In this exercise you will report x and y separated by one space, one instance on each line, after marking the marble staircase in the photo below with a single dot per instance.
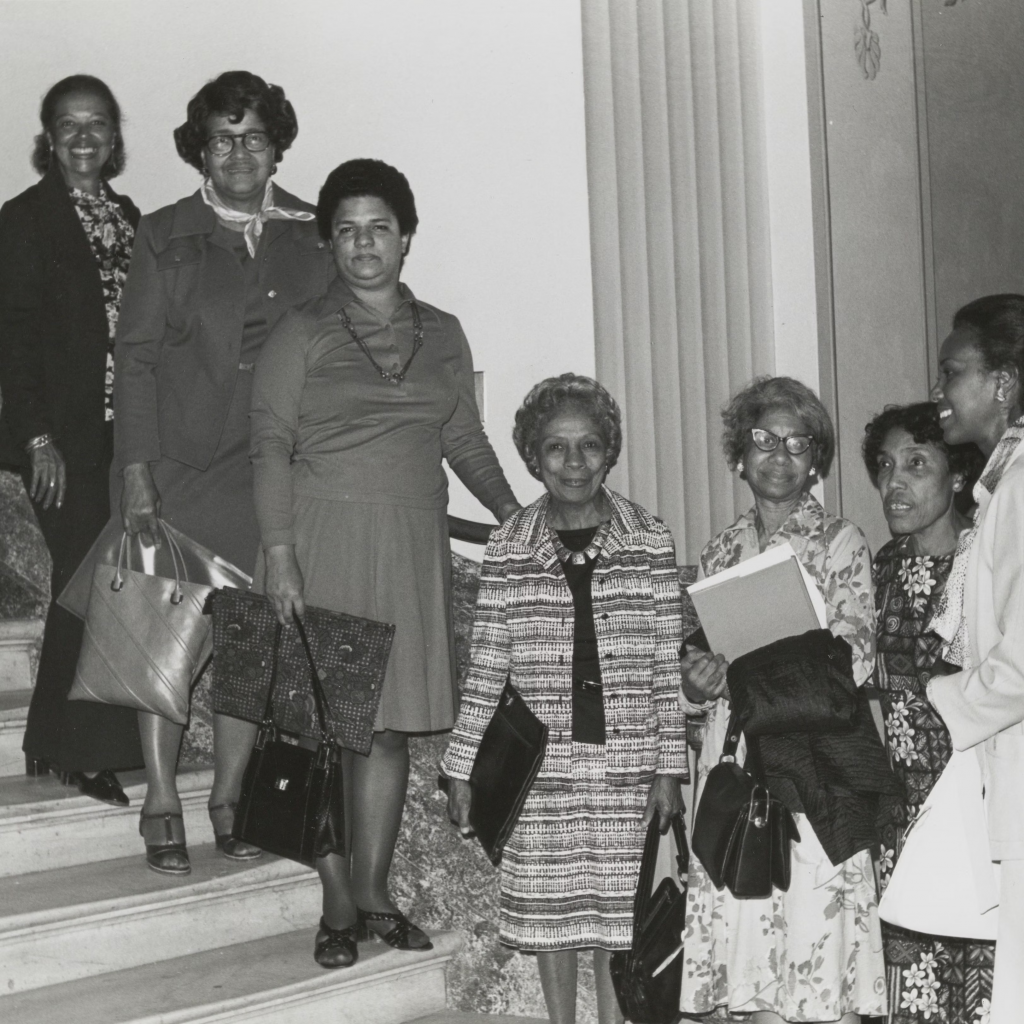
88 933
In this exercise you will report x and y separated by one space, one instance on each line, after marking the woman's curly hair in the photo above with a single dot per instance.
765 393
366 177
921 421
555 395
230 95
42 152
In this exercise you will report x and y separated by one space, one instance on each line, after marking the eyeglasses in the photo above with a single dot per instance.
221 145
796 444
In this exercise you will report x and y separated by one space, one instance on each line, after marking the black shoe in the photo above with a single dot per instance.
398 937
101 786
168 857
232 848
336 947
37 767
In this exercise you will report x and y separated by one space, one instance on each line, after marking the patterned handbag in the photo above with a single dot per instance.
351 655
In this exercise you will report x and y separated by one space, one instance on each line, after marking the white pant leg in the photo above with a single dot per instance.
1008 981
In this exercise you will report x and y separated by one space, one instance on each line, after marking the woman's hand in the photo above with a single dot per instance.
509 509
460 796
49 478
664 799
284 583
140 503
703 676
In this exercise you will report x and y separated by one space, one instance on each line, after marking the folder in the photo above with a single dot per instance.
757 602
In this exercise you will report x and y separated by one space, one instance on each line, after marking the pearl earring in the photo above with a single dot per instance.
739 466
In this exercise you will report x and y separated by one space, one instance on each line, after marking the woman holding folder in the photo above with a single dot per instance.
812 953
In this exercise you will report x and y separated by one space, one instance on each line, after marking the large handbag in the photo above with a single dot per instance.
145 637
648 976
507 762
741 833
946 854
198 564
292 802
800 683
351 653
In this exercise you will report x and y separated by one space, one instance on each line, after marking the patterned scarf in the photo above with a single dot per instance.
949 621
253 221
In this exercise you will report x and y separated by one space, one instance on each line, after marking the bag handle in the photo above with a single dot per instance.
124 561
732 740
649 861
318 695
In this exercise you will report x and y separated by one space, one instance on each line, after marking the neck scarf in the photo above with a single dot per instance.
253 221
949 620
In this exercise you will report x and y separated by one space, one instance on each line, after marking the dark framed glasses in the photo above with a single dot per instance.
796 444
221 145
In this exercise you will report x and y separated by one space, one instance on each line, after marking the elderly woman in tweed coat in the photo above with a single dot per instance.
579 607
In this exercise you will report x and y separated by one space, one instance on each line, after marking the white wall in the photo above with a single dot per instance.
479 102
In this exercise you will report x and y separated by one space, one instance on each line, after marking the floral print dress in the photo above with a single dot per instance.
931 980
815 952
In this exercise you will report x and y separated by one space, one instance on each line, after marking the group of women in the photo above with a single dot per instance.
252 369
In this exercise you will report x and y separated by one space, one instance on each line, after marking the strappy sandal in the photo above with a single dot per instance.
169 857
397 937
336 947
232 848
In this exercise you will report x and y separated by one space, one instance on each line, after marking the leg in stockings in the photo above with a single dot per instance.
161 739
233 741
608 1010
339 908
558 981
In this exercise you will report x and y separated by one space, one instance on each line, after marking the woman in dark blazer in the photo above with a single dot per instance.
211 275
65 244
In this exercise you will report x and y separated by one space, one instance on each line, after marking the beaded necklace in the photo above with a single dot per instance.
591 551
417 343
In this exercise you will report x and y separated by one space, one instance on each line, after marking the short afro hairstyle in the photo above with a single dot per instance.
555 395
230 95
765 393
42 152
921 422
366 177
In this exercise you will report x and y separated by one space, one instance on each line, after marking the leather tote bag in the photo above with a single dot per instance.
351 654
292 802
145 637
944 882
648 976
741 833
506 764
198 564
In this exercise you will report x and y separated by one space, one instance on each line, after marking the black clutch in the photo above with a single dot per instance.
292 802
648 976
507 762
351 655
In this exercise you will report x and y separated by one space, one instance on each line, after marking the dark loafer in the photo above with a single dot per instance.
102 786
336 947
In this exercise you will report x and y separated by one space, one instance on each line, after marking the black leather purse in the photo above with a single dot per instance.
292 802
646 986
742 834
507 762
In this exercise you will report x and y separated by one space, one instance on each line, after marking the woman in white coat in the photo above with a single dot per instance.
980 398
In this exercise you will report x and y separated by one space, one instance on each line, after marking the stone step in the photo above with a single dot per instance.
13 716
272 980
45 825
18 638
456 1017
75 922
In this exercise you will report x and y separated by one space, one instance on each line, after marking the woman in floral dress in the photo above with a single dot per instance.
930 979
812 953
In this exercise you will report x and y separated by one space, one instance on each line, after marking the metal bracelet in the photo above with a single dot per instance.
39 442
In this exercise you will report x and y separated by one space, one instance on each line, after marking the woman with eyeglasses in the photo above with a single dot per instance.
210 276
813 953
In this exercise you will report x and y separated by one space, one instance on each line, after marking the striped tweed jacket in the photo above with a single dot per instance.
524 630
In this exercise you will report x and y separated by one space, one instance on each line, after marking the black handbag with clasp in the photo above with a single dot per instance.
292 801
648 976
742 834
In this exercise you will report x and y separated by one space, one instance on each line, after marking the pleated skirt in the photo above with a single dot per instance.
570 869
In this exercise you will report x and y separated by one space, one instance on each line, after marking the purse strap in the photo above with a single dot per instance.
732 739
649 862
319 699
124 561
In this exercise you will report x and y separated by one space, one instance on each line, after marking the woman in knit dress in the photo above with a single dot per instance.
579 607
931 979
359 394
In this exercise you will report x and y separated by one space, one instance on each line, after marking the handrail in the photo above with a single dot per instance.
467 530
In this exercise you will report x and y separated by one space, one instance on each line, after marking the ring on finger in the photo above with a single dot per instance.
53 483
